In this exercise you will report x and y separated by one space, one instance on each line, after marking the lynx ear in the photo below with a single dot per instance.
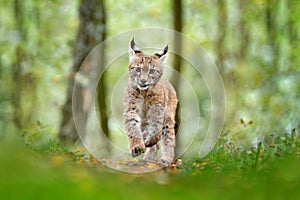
163 54
133 49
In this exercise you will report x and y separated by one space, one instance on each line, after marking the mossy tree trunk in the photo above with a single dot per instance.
221 34
91 32
17 79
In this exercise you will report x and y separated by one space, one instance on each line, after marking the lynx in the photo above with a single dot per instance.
150 106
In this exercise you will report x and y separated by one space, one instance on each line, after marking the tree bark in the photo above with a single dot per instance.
271 24
177 24
17 66
90 33
243 31
221 34
293 34
177 63
101 101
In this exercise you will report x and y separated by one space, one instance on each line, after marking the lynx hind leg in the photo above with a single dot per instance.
151 153
168 142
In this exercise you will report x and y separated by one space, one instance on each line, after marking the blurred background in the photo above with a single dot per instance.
254 43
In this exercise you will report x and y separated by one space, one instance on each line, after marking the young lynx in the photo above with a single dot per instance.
150 105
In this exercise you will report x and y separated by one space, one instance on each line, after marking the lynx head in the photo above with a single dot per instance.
145 70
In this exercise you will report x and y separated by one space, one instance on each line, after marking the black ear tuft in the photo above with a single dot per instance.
165 50
162 53
134 47
132 43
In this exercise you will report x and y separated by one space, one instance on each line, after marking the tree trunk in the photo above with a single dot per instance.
177 63
293 34
243 31
221 34
101 100
17 66
90 33
177 24
271 23
101 89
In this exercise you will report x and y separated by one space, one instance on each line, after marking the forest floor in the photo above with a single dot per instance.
265 172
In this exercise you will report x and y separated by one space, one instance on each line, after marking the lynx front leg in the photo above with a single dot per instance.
168 142
132 123
154 124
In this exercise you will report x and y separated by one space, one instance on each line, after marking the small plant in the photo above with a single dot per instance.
228 156
40 139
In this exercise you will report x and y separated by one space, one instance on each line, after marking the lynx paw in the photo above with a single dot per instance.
137 150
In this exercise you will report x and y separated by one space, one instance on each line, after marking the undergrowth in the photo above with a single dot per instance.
228 156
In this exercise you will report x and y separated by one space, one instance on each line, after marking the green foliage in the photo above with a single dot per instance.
39 139
229 157
42 44
261 73
270 170
262 84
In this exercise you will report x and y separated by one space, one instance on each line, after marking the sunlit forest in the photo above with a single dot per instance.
63 70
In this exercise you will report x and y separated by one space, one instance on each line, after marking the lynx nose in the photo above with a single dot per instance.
143 81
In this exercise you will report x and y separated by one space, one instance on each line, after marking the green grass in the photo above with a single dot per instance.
228 172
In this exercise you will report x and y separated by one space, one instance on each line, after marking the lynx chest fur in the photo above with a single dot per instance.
150 106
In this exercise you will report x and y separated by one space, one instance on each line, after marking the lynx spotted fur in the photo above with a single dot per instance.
150 105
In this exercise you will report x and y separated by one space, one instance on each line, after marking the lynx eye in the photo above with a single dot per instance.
151 71
138 69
